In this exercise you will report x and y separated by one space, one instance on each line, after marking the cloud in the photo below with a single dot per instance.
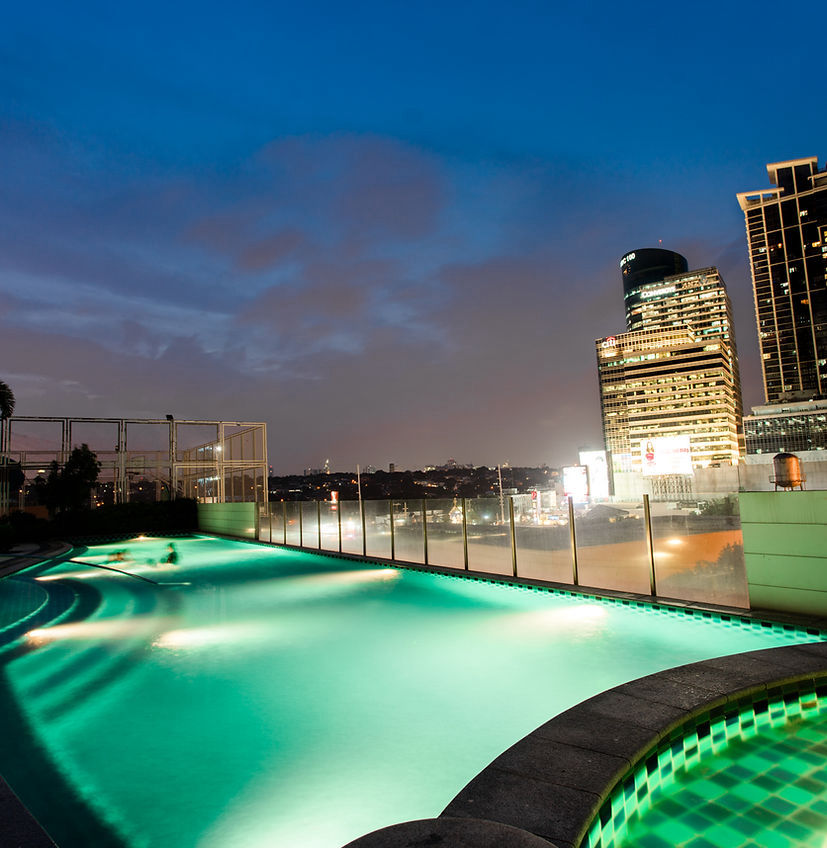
270 250
371 301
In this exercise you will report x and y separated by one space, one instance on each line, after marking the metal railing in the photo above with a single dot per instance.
684 551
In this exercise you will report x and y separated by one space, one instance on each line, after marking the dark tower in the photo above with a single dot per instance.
644 267
787 236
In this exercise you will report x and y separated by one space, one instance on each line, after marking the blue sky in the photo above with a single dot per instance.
391 232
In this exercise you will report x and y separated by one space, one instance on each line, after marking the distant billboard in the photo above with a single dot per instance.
576 482
595 461
666 455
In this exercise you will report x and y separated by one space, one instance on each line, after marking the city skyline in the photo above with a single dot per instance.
394 240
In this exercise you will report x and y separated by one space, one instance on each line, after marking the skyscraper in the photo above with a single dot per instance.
673 376
642 270
787 239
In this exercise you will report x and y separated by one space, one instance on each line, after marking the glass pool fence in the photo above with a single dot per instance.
689 551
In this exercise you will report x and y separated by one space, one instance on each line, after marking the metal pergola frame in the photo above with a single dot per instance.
178 469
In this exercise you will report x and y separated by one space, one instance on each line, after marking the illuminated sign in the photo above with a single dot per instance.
658 292
611 341
595 462
666 455
627 258
576 482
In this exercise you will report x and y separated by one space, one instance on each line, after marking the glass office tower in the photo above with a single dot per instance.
674 374
787 238
641 270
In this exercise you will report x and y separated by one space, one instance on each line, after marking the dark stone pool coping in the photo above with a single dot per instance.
553 782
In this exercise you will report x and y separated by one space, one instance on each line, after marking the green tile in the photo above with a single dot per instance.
721 834
795 795
767 791
811 820
796 832
780 806
701 842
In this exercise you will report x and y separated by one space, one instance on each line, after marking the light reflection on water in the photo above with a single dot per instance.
296 700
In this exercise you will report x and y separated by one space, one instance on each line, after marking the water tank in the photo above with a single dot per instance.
788 473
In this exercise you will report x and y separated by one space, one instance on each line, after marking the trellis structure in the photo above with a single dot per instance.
148 458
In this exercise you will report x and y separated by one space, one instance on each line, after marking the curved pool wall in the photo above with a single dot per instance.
101 685
578 780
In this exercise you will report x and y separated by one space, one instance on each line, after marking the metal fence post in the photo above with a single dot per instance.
393 531
364 528
513 536
319 521
573 537
650 546
424 532
284 520
301 524
270 514
465 534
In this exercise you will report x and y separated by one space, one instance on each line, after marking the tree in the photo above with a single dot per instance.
6 401
6 410
70 487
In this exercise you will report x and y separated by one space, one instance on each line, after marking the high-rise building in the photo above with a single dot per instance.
787 238
787 428
672 379
657 384
641 270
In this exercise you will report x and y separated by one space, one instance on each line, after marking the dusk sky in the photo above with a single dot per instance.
390 231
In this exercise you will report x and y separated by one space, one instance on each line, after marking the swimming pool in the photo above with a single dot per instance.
260 696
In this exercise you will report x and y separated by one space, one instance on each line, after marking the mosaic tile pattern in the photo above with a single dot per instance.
792 632
756 778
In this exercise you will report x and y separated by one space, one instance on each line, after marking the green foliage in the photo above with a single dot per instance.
70 488
6 401
178 516
722 506
11 474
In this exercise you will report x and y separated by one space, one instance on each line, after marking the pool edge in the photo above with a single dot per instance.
555 781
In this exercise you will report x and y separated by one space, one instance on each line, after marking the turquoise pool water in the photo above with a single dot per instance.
765 785
262 697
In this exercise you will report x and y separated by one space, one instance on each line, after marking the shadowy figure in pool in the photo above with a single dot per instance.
119 556
172 555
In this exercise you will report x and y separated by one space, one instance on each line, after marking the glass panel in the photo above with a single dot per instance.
611 547
351 527
699 550
310 525
264 524
377 528
277 519
407 525
489 536
330 526
445 533
292 509
544 544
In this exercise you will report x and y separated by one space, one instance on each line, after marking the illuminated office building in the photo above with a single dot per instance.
674 375
668 383
787 239
643 270
787 428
